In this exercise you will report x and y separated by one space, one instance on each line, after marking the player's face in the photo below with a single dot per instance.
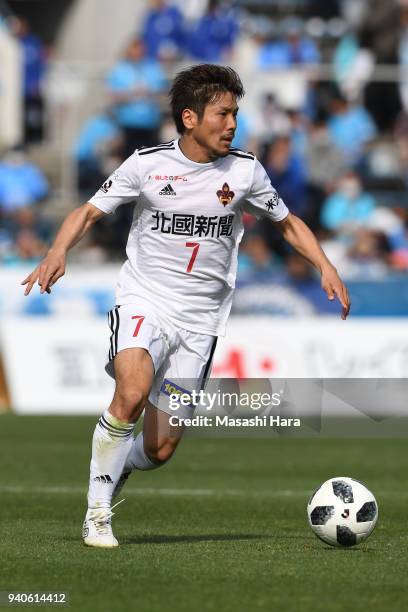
215 131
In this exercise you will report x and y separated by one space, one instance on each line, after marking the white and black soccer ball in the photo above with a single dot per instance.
342 512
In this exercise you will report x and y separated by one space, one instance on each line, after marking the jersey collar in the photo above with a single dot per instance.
186 160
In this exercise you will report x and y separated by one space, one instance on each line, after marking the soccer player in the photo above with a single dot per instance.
175 289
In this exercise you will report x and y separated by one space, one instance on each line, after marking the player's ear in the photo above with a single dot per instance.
190 118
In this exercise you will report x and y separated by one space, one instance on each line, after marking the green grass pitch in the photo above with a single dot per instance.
221 528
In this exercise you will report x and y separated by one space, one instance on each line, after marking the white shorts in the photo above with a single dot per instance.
182 359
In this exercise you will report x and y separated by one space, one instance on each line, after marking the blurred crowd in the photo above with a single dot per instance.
338 158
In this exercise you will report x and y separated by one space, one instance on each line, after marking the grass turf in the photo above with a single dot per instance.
222 527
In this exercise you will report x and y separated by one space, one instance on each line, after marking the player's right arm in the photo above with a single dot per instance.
52 267
121 187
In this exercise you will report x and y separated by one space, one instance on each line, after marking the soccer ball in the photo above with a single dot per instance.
342 512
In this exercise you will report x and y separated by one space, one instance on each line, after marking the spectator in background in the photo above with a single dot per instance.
27 247
22 184
287 173
349 207
135 85
22 187
212 37
34 67
294 49
381 98
163 31
403 55
271 120
351 128
256 262
324 166
272 53
391 225
97 151
401 138
399 242
298 132
300 49
325 163
368 256
353 63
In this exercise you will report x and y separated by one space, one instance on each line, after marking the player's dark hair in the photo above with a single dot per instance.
197 86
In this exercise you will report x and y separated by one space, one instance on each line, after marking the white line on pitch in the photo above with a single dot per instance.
150 491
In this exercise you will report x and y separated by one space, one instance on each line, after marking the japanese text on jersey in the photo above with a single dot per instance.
193 225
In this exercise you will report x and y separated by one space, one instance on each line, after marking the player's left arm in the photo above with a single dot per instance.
297 234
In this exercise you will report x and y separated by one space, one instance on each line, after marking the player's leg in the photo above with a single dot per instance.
158 441
159 437
155 445
137 349
112 441
114 431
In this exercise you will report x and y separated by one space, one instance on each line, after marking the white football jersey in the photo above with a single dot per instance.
187 225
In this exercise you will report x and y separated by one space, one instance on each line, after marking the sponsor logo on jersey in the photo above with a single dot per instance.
167 191
171 388
272 202
225 195
106 186
180 224
165 177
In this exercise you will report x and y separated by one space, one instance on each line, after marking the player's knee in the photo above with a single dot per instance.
160 452
129 402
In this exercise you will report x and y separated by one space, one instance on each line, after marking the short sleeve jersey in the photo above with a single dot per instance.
187 225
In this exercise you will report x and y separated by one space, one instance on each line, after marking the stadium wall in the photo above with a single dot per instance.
54 346
55 365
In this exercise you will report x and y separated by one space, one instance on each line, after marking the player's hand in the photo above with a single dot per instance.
46 273
334 286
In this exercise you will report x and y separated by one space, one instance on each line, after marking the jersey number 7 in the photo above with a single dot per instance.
195 246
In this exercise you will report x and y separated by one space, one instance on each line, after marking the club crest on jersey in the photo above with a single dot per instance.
224 194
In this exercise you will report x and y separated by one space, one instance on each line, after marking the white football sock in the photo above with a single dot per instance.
137 458
111 443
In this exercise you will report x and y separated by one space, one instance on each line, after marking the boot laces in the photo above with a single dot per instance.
102 517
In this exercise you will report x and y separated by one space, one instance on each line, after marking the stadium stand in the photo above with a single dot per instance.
317 77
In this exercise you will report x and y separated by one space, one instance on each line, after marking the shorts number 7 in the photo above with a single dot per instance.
138 324
195 246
